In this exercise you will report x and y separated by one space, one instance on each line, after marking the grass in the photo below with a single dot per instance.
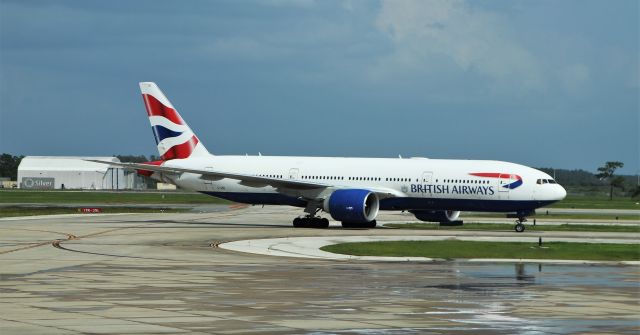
509 227
595 202
452 249
540 215
105 197
11 211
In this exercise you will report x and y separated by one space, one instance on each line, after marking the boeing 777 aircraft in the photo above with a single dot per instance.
351 190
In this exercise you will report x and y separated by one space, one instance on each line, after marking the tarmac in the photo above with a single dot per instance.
171 274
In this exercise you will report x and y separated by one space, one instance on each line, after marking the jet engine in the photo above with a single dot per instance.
352 205
436 216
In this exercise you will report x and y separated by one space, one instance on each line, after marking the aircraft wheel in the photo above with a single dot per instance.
371 224
324 223
297 223
348 225
519 227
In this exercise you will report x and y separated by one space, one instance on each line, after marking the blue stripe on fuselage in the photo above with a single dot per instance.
395 203
513 185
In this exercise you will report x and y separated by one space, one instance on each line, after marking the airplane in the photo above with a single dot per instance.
351 190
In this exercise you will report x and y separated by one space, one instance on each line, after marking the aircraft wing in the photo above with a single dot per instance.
248 180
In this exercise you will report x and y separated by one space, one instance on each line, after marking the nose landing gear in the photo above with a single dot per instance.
521 217
520 224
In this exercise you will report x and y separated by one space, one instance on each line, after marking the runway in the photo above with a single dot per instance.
165 273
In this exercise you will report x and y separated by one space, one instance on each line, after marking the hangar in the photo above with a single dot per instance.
48 172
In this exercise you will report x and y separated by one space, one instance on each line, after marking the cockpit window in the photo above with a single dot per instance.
546 181
551 181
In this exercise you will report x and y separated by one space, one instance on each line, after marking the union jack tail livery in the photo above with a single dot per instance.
173 136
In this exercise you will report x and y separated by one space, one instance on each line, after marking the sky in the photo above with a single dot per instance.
541 83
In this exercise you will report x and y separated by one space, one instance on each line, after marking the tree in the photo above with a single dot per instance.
636 192
606 173
9 166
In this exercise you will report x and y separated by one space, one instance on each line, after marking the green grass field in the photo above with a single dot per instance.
452 249
11 211
105 197
592 202
541 216
509 227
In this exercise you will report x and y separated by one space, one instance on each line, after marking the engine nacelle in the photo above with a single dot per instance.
436 216
352 205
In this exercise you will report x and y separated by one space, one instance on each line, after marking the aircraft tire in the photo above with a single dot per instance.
324 223
348 224
519 227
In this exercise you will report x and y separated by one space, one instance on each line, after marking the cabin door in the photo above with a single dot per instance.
426 177
504 180
208 181
293 174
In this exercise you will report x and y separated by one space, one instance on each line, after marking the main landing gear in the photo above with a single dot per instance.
311 222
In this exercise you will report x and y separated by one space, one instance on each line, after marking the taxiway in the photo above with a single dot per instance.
165 273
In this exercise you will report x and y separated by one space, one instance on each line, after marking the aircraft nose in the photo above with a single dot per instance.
562 193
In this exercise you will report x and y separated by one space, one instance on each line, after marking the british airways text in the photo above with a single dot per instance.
456 189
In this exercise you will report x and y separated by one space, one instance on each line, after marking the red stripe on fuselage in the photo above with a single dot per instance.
156 108
181 151
495 175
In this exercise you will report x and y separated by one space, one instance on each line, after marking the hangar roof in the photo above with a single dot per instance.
64 163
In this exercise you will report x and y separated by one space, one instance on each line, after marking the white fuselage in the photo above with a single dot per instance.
426 183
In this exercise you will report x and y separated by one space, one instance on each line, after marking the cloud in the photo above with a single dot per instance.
431 33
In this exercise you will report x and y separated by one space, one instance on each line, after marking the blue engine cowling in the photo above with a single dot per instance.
352 205
436 216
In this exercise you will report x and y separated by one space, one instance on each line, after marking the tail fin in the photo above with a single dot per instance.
174 138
